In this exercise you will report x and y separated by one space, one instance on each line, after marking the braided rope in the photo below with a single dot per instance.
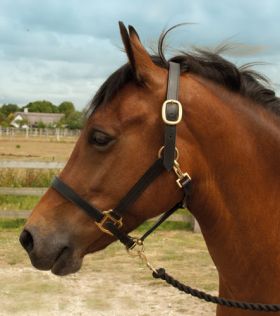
161 274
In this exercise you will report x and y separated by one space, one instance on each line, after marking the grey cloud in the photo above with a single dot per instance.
67 48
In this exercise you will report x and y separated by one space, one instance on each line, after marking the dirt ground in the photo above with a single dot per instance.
96 294
110 282
34 149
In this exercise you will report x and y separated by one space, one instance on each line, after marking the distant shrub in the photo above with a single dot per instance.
26 177
18 202
11 223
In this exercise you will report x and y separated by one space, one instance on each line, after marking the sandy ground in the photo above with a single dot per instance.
35 149
110 283
100 294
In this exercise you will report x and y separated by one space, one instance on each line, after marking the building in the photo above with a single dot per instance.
32 119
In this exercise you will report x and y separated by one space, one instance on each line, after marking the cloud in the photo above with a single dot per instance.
63 50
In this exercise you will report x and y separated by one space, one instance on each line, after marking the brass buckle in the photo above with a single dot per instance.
163 112
180 174
108 217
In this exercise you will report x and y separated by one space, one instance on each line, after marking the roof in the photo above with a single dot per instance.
35 117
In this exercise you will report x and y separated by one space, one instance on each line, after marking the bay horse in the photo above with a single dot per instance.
229 143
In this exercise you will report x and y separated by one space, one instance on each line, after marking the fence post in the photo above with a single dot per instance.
57 134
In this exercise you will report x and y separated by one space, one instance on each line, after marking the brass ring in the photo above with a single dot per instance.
176 151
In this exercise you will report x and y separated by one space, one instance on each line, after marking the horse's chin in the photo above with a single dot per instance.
66 263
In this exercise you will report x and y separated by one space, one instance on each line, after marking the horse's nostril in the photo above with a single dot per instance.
26 240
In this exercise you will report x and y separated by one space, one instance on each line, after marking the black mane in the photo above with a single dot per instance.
209 65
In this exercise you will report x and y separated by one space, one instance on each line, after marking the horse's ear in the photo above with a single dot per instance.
139 59
127 45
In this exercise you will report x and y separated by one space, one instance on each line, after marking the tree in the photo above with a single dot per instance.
66 107
5 124
7 109
41 125
2 117
42 106
74 120
24 122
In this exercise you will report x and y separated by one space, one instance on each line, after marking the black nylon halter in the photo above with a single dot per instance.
110 221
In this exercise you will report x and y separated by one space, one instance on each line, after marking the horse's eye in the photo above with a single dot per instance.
100 139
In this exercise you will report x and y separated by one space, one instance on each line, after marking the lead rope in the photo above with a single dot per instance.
137 250
161 274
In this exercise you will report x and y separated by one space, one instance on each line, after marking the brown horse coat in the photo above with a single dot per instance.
229 142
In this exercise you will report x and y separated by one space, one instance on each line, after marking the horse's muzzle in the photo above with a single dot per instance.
50 253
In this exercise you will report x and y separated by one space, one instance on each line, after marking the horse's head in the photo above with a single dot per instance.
120 140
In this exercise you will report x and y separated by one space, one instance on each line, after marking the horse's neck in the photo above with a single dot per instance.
233 155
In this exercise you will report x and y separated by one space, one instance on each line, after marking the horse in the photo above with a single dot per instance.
229 144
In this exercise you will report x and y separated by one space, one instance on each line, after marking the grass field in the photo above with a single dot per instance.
110 282
37 178
17 203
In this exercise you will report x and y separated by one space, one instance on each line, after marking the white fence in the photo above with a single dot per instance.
14 164
22 191
38 132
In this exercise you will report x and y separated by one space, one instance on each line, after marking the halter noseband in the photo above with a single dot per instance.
110 221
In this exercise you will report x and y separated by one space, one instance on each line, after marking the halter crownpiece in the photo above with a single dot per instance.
110 222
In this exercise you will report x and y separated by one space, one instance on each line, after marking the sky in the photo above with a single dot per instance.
60 50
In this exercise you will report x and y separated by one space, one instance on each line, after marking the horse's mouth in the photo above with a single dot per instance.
66 262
